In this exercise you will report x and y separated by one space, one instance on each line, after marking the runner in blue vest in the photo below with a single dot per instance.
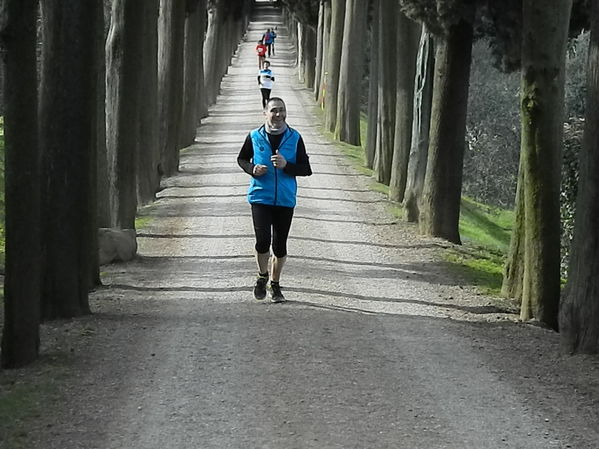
268 39
273 155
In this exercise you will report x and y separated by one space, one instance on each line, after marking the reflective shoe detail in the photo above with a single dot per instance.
260 287
275 293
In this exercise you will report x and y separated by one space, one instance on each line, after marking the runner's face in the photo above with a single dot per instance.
275 113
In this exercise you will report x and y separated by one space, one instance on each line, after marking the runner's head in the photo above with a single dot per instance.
275 113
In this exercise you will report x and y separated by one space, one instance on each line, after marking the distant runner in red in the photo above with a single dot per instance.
261 52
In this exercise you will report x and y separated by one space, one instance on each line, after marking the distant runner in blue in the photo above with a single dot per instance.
273 155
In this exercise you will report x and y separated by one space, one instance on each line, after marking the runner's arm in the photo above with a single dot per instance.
245 156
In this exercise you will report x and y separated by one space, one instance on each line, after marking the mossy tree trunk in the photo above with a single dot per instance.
513 272
440 204
542 104
22 277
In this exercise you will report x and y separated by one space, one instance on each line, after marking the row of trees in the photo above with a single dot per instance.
419 67
89 132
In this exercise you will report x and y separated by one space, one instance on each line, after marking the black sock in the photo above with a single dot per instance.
263 275
274 282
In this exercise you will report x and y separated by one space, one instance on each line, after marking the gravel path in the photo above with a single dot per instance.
377 347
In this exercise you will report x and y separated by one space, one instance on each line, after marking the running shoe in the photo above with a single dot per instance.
260 288
275 293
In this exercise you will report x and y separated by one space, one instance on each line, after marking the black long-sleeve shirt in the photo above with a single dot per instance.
301 166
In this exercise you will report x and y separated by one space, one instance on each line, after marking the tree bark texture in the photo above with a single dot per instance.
202 95
423 99
347 128
579 311
542 105
333 63
148 156
373 87
171 33
441 196
102 177
123 99
326 39
67 133
319 48
308 44
212 48
385 132
299 26
191 76
408 36
513 272
22 280
310 56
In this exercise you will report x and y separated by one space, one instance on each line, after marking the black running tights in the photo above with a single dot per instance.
265 96
275 219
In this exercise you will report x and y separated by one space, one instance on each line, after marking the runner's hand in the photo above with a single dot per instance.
278 160
260 169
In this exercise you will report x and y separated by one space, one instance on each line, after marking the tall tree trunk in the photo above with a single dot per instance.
408 34
22 281
373 87
191 77
326 39
579 311
513 272
102 176
148 156
212 47
309 56
67 133
171 34
123 97
423 98
319 49
99 147
202 101
347 128
333 62
385 132
441 196
542 104
299 26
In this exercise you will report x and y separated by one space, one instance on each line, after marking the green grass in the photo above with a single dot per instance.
485 233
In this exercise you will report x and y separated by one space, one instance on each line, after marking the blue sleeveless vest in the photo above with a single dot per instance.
275 187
